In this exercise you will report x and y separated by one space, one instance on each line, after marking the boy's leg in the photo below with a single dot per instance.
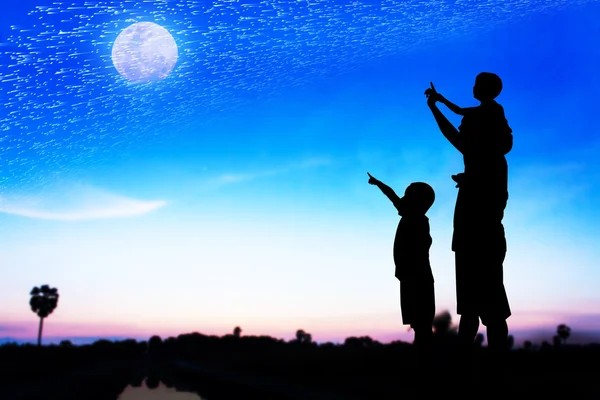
424 349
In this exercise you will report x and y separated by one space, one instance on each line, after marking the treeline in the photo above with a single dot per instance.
359 366
272 356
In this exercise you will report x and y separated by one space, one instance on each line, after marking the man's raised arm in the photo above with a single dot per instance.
446 127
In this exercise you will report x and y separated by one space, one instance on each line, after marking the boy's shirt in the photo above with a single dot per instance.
486 138
485 128
411 249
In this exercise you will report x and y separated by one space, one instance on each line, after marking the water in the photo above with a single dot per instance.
162 392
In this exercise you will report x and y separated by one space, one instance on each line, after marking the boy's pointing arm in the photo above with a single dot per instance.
388 191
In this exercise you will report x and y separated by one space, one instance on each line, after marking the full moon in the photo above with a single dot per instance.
144 52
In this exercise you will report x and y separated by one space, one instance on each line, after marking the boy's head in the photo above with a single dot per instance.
487 86
418 198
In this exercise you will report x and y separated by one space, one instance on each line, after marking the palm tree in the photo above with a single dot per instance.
44 300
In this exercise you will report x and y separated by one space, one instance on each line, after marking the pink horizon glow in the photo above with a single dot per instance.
379 328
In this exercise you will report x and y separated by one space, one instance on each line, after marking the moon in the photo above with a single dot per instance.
144 52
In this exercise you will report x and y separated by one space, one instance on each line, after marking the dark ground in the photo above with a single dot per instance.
265 368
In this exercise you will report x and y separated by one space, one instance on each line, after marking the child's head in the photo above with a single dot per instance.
487 86
418 198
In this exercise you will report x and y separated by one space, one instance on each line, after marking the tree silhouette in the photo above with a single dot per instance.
545 345
556 340
528 345
44 300
563 332
442 323
362 341
510 342
237 331
303 337
154 346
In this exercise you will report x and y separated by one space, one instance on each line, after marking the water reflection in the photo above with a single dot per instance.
153 388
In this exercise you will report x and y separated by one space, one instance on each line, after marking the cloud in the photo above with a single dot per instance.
77 203
244 177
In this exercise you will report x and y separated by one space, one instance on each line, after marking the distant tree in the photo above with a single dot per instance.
154 344
362 341
556 341
510 342
303 337
563 332
442 323
527 345
43 302
546 345
479 339
237 331
300 335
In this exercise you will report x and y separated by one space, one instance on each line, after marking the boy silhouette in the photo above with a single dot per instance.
411 258
485 125
479 243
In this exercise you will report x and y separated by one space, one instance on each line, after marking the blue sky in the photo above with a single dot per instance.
186 218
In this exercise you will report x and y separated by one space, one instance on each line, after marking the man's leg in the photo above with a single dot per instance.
467 330
497 331
497 310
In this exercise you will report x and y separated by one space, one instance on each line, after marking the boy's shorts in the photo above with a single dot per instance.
417 301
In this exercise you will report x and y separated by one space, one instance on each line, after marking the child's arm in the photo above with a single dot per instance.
388 191
431 92
451 106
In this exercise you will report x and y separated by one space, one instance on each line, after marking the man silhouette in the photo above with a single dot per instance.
478 240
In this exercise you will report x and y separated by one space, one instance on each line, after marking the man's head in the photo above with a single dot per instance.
418 198
487 86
